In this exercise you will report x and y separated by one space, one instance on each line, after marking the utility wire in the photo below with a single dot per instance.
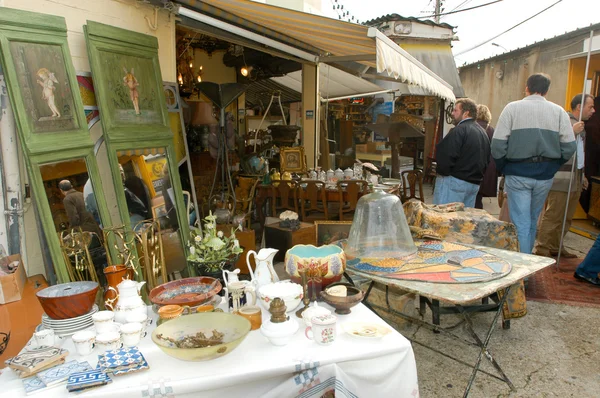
465 9
460 5
507 30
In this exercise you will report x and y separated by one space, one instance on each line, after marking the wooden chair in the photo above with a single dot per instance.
353 189
284 196
410 180
313 200
244 197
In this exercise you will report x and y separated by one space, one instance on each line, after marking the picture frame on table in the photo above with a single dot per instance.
331 231
292 159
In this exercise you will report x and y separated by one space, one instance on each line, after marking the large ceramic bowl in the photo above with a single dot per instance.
325 265
234 329
68 300
289 292
187 291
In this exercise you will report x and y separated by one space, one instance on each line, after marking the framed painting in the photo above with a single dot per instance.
41 81
292 159
331 231
128 82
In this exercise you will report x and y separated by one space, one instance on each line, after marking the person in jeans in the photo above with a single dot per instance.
533 138
589 268
462 157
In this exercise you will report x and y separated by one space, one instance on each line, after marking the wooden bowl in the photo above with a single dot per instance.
68 300
187 291
342 304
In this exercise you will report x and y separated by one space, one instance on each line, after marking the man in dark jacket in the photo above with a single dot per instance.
462 157
76 211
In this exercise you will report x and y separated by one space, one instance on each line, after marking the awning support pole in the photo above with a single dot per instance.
578 140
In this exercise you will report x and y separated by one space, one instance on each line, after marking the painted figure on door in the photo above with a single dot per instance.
46 79
131 82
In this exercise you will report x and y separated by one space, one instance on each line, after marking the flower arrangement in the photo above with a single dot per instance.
212 247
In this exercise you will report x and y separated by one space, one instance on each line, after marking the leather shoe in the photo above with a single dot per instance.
594 281
563 254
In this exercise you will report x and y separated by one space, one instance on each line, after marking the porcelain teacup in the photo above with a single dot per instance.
108 341
103 321
323 329
84 342
140 318
45 338
131 334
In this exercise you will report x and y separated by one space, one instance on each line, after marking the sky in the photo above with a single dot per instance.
476 26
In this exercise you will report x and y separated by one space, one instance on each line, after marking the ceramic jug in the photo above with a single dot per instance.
338 174
264 272
129 300
240 294
330 174
348 173
231 276
114 275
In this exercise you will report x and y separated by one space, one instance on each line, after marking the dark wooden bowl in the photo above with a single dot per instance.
341 304
68 300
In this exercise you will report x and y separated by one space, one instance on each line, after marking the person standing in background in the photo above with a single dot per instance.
549 237
461 157
489 185
533 138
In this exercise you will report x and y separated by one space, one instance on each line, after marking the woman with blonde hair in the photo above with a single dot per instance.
489 185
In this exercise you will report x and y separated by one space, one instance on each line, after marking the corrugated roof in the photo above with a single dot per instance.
396 17
564 36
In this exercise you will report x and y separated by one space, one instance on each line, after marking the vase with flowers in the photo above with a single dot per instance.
210 251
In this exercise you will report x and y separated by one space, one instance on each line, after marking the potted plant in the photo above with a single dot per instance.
210 251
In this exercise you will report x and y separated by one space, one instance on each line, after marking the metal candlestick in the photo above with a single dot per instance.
305 298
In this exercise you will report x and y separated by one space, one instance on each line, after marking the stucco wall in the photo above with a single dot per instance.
124 14
482 83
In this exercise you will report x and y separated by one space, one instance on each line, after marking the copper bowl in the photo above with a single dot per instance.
187 291
342 304
68 300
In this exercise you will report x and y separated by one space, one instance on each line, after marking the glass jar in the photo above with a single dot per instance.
379 229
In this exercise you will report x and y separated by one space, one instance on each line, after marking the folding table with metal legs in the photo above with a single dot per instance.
461 296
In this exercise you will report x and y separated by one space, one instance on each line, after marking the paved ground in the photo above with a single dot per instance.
554 351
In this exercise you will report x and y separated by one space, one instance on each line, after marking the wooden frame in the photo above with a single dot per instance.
113 52
292 159
49 114
332 229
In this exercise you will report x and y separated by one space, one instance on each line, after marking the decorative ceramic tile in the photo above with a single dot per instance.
58 374
22 374
123 358
136 368
33 384
34 360
84 380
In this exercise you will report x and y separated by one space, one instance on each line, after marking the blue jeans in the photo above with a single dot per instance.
449 189
590 266
526 197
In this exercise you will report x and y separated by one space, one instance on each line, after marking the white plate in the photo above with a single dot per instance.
64 333
69 329
70 326
69 320
366 330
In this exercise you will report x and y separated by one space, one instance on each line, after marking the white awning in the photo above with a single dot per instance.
398 63
316 39
333 83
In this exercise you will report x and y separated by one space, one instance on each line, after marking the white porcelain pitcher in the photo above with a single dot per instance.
264 272
129 300
231 276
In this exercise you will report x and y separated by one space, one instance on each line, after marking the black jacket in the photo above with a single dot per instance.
464 153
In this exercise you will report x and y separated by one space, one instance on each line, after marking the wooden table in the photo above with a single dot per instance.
461 295
20 318
263 192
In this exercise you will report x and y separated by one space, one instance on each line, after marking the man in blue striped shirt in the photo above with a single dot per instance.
533 138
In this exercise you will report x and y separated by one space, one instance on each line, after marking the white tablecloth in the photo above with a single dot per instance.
353 367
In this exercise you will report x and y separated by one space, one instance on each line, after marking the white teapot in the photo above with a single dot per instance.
129 300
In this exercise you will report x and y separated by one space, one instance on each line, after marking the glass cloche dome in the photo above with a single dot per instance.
379 228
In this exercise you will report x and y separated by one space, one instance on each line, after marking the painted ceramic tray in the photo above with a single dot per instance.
366 330
435 261
187 291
